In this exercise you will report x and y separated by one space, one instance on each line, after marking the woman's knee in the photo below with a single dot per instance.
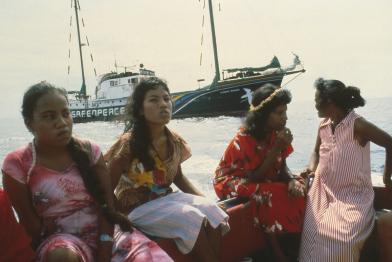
62 254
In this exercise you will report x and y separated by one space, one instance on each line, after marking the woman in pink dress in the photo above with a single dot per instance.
339 213
60 189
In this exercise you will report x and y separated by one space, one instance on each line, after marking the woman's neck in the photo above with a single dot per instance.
157 131
338 117
53 151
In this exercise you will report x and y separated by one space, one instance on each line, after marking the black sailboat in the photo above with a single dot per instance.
231 95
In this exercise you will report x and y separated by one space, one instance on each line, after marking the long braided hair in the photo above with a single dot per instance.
78 152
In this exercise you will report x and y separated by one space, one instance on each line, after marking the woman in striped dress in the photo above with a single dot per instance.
339 213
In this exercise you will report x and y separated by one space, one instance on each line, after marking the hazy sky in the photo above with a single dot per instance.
350 40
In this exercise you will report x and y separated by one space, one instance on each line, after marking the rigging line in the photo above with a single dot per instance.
202 34
67 78
89 47
297 75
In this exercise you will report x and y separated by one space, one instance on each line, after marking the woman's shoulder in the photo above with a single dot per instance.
180 145
90 147
22 154
120 148
176 137
85 141
242 136
88 144
17 162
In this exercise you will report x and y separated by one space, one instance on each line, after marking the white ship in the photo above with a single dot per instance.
111 95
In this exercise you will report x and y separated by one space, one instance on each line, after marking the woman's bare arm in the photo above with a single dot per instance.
20 197
283 140
365 131
104 248
185 185
314 157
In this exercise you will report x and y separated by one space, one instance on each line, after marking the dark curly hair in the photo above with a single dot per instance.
255 121
136 123
77 151
336 92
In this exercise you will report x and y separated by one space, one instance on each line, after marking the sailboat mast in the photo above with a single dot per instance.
83 88
217 71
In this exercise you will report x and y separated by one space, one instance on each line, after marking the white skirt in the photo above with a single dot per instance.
178 216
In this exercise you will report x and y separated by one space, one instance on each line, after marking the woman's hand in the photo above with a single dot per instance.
296 188
283 139
306 173
387 182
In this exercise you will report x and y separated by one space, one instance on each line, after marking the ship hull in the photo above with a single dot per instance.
92 114
229 98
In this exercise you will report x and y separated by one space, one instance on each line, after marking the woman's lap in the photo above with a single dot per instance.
127 247
178 216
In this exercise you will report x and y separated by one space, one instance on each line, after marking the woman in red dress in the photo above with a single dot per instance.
254 166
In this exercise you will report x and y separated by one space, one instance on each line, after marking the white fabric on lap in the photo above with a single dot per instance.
178 216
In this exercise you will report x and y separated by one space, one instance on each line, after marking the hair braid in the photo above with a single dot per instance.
93 185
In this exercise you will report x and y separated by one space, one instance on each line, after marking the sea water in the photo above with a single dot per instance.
208 138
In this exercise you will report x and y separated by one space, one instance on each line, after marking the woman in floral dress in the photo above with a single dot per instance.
144 163
254 166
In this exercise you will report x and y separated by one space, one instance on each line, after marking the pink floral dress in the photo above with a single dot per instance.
63 203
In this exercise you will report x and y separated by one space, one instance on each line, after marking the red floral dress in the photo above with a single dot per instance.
273 208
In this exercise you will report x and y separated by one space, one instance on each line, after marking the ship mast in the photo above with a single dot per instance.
83 88
217 71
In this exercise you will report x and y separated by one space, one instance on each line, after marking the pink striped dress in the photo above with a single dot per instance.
339 212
